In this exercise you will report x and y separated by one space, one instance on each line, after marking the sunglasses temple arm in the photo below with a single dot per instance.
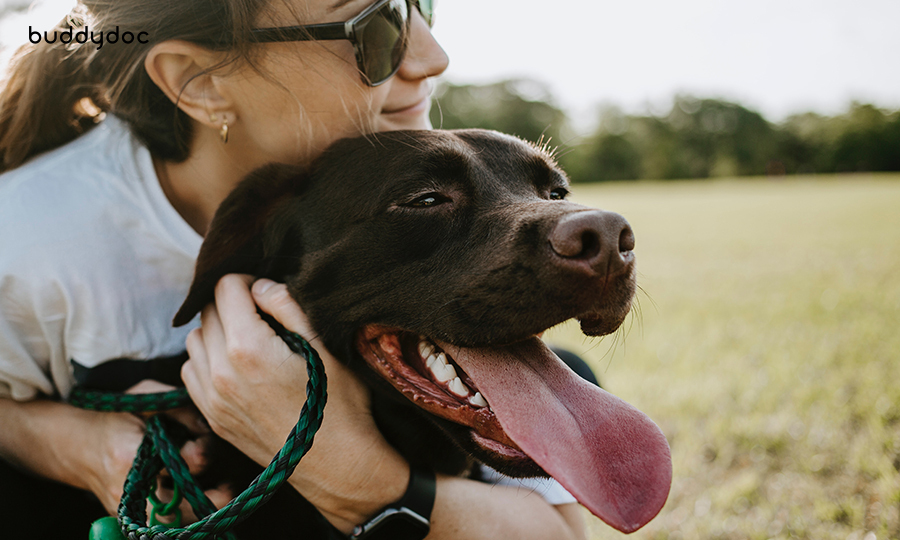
328 31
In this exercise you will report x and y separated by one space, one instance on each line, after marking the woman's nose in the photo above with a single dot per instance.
424 57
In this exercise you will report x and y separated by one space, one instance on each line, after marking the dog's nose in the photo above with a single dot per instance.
597 240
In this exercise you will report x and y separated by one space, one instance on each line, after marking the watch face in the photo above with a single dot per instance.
397 524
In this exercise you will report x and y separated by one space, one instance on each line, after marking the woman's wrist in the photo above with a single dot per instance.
351 486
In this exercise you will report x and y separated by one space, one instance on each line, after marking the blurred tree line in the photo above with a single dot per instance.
698 138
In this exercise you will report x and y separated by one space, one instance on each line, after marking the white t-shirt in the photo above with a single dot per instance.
549 489
94 262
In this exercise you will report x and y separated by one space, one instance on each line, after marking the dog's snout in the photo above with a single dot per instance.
596 240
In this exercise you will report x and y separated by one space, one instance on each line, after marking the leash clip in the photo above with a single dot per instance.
159 508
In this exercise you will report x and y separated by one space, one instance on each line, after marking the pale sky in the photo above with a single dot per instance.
776 56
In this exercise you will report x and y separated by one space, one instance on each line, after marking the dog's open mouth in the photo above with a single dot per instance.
521 402
428 376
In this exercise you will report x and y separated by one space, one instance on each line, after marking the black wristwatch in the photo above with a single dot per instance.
407 519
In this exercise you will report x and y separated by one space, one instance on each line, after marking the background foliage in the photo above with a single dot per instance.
697 138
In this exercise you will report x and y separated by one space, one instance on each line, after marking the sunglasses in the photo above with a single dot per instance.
380 35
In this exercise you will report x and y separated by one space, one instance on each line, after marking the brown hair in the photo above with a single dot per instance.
56 91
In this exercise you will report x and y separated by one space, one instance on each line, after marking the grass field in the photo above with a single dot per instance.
767 348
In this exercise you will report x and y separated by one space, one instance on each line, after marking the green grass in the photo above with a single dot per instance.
767 347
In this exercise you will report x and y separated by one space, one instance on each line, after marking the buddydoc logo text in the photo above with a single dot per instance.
84 34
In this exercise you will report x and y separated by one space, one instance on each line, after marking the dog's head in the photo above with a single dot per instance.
429 261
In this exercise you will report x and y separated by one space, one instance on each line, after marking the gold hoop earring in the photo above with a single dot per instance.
223 133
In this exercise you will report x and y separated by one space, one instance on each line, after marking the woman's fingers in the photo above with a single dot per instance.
274 299
195 372
194 455
149 386
240 324
219 496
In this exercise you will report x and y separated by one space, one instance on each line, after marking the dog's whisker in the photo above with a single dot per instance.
614 349
636 314
647 294
558 155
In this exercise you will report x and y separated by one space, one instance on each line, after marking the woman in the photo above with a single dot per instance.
101 221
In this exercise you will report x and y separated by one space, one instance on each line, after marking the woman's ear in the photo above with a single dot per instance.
181 70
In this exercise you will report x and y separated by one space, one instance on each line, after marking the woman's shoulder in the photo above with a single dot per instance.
103 154
95 185
61 194
97 194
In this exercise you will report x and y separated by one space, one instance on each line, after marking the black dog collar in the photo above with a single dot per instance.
407 519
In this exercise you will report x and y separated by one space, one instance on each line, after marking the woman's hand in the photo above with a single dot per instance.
121 434
194 453
85 449
114 446
251 388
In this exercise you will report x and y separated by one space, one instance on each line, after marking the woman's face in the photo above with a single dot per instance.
308 94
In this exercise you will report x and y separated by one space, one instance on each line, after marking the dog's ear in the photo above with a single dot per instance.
239 240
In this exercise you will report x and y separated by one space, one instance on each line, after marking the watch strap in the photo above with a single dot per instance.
420 491
416 503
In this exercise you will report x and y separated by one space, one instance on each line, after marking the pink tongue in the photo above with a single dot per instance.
608 454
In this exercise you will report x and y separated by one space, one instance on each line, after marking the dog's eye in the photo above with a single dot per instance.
558 194
427 200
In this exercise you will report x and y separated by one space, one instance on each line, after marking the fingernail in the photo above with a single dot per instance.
262 285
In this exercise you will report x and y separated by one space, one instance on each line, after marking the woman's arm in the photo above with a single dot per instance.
474 510
85 449
249 386
88 450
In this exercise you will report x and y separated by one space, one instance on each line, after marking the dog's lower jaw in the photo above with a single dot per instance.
597 324
392 354
608 317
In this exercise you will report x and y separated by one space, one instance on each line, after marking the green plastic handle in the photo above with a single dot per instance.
106 528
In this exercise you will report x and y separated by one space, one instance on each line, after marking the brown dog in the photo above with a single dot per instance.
429 261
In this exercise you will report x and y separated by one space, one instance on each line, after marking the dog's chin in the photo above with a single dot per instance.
601 324
416 367
607 316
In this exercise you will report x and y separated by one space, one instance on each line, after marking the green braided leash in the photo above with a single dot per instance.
158 451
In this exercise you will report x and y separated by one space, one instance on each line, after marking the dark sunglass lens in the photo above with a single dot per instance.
383 42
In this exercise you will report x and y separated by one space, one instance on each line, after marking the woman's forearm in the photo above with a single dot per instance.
84 449
474 510
463 508
35 433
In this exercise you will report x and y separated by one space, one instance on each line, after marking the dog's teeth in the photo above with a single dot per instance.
430 362
478 400
458 388
444 372
425 348
435 360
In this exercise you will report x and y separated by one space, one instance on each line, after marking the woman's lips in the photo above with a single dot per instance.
414 109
